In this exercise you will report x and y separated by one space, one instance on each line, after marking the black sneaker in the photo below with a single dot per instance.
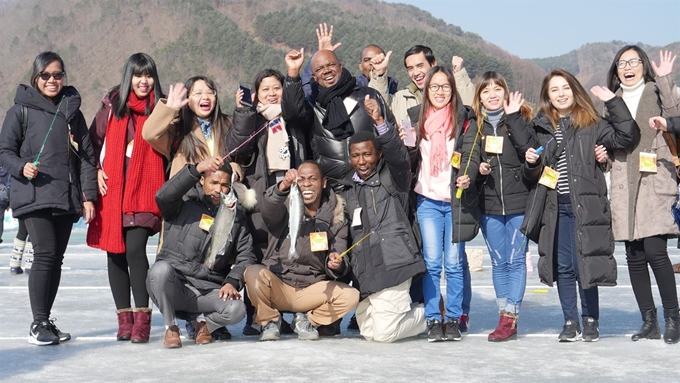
571 332
41 334
63 336
252 329
452 331
353 324
221 333
286 328
591 329
15 270
434 331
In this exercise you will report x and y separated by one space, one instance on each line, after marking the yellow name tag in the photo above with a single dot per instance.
549 177
494 145
206 222
318 241
647 162
455 160
128 151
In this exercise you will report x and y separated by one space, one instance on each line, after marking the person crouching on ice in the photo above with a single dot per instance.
302 280
389 258
185 277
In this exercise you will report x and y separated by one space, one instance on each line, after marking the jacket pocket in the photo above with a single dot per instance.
22 192
396 249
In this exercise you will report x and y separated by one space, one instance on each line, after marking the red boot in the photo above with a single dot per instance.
125 324
142 325
506 329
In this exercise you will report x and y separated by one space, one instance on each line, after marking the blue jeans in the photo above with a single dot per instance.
438 248
507 248
568 279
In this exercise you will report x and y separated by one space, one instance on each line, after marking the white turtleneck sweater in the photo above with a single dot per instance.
631 96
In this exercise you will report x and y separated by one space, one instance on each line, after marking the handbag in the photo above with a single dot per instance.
675 206
533 217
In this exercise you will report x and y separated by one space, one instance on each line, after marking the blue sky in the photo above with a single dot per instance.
544 28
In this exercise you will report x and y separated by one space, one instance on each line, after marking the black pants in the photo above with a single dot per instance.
128 271
22 232
49 234
652 251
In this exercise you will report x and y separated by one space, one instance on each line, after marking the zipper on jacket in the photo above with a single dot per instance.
68 151
500 172
375 209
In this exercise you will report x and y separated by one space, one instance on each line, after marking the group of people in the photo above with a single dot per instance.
325 193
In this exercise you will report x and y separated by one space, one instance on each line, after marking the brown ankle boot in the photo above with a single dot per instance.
142 325
203 336
125 324
172 339
506 329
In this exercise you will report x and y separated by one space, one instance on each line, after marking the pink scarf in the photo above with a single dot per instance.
438 127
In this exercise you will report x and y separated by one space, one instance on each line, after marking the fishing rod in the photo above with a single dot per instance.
459 191
246 141
353 246
37 159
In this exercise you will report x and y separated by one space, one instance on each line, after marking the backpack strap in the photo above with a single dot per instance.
24 121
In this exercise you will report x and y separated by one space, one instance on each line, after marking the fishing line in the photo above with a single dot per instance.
37 159
246 141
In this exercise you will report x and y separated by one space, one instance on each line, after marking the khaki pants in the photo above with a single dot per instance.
389 315
324 302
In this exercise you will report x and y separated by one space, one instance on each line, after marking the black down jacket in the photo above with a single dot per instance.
67 175
330 153
588 192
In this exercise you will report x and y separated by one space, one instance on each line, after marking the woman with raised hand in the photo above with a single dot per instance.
569 207
129 174
54 180
503 196
189 127
443 125
644 184
269 144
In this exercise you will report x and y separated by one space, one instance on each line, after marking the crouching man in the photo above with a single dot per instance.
301 281
387 260
189 276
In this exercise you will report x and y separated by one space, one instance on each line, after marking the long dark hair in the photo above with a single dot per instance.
613 80
264 74
583 112
42 61
136 65
453 102
194 149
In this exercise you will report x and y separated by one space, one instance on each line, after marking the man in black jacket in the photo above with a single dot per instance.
389 257
180 281
334 114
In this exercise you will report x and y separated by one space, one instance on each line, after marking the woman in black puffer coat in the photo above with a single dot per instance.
45 145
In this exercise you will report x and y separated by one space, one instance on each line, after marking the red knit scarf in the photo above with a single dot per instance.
128 192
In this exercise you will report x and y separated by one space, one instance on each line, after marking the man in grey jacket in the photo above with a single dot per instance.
180 282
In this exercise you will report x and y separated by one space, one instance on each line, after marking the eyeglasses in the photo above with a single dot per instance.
199 94
435 87
46 76
632 62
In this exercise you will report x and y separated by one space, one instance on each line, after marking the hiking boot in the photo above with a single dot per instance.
304 328
203 336
452 330
171 339
464 323
252 329
591 330
506 329
63 336
41 334
271 331
671 334
571 332
125 323
16 270
221 333
353 324
434 331
650 327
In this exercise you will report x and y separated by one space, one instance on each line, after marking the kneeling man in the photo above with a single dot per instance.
191 275
301 281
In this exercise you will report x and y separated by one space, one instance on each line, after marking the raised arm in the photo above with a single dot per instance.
464 86
160 128
618 130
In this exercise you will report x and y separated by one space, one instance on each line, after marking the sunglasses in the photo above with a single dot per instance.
46 76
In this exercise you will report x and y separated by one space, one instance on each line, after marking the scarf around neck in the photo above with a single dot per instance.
277 150
437 126
336 120
129 191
